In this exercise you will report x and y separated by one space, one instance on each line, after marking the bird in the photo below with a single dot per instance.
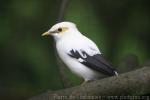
80 54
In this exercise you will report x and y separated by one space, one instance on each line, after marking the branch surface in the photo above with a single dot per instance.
136 82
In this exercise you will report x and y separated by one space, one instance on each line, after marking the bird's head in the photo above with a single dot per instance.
60 29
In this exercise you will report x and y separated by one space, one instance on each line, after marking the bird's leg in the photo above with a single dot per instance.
86 81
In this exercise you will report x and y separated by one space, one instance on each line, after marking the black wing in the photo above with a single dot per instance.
96 62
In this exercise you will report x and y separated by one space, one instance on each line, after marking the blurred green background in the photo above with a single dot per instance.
28 63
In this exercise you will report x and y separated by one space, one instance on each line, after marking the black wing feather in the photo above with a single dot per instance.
96 62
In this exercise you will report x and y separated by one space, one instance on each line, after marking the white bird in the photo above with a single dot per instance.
79 53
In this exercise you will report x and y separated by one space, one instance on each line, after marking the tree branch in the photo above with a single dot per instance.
136 82
62 10
61 67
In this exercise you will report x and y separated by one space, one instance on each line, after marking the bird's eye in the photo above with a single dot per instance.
60 29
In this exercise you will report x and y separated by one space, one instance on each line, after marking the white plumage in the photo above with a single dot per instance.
79 53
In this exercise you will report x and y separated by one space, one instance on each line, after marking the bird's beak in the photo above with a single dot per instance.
46 34
49 33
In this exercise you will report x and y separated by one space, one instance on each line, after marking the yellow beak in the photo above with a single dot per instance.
46 34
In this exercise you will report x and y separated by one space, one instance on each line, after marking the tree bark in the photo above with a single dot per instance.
136 82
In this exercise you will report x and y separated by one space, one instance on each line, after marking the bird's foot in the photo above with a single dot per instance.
86 81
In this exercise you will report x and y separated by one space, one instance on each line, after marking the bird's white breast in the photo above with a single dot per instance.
64 46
